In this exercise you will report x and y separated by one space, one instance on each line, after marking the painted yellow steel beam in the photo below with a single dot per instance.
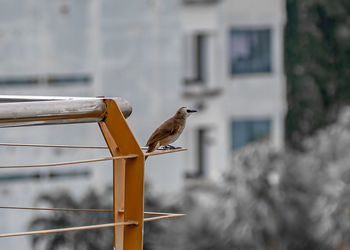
128 178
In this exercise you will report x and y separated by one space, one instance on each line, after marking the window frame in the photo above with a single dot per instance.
196 45
252 123
251 30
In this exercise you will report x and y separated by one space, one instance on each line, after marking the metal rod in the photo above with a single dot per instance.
50 146
162 151
71 162
69 229
10 144
28 111
29 98
160 213
79 210
164 217
58 209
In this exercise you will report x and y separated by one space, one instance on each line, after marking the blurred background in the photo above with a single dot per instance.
268 164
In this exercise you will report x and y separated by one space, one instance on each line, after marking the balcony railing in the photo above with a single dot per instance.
126 154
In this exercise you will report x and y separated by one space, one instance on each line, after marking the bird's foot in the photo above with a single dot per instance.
170 147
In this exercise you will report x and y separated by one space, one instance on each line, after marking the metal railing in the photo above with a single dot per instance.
126 154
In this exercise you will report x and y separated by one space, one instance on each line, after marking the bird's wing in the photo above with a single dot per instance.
164 130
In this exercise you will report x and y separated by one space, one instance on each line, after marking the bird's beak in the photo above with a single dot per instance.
191 111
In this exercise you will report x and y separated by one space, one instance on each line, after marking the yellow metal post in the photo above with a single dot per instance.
128 179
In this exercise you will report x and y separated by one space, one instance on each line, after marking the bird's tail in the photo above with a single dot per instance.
146 156
150 149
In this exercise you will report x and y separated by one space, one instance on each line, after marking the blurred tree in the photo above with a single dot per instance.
90 239
330 154
317 60
262 202
273 201
87 239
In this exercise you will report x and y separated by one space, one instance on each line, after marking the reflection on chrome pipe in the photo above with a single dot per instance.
28 110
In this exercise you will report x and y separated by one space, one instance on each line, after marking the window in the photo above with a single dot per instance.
202 154
196 65
47 79
246 131
250 51
34 176
200 57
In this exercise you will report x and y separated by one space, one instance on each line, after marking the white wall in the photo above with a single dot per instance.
242 96
140 60
131 49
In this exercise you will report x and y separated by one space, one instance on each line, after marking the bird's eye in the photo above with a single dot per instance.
188 111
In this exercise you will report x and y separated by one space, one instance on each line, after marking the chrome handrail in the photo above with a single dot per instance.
40 110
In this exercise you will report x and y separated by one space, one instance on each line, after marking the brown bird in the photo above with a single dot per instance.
169 131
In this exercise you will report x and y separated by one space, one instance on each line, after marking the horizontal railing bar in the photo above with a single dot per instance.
16 112
10 144
71 162
160 152
163 217
159 213
58 209
75 210
152 213
50 146
69 229
30 98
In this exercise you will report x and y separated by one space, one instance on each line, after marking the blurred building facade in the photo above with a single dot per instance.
223 57
83 48
46 48
233 73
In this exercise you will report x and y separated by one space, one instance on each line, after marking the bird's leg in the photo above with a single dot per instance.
168 147
171 147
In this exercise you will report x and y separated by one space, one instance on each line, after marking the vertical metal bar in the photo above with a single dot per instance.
118 201
128 178
118 187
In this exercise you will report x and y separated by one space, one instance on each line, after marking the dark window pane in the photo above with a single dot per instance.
246 131
198 62
34 176
201 59
250 51
69 79
240 132
201 153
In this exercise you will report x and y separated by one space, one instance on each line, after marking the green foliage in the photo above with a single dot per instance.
317 52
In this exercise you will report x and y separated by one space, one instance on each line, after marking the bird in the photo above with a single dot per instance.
169 131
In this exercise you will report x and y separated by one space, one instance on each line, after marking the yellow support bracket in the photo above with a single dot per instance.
128 178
